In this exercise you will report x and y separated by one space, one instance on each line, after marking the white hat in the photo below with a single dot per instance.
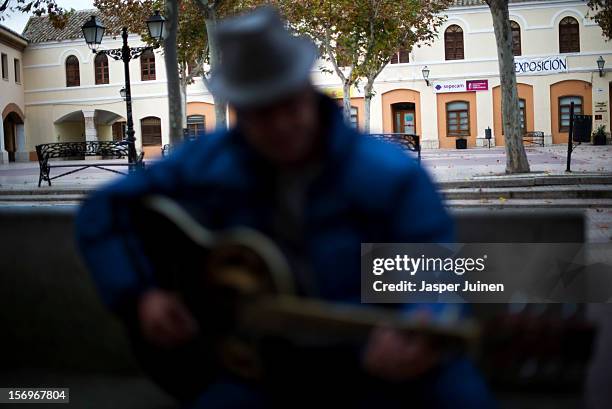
261 61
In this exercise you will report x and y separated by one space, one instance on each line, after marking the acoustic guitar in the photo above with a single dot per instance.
239 286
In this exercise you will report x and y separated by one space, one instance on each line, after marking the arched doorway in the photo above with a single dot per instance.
402 111
80 126
14 134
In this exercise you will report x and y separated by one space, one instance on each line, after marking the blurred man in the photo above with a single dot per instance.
293 170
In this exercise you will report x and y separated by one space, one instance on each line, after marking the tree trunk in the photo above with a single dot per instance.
516 158
214 58
175 105
183 104
185 80
346 101
368 94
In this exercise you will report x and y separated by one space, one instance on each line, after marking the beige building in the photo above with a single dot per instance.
555 45
72 95
12 132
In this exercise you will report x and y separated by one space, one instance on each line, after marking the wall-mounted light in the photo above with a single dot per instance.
425 72
123 93
600 65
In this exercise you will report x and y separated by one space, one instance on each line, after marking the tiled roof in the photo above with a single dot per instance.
12 39
40 29
16 34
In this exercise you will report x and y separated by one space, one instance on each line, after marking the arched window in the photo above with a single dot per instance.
147 66
565 104
73 76
150 128
453 43
101 69
458 118
569 35
516 38
196 124
401 57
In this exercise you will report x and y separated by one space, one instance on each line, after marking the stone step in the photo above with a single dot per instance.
46 191
55 205
534 179
42 198
530 204
534 192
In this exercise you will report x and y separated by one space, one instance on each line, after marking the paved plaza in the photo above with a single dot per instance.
443 164
453 164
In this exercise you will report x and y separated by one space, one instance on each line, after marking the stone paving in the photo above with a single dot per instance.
443 164
452 164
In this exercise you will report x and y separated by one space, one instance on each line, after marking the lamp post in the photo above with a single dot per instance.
425 72
600 65
93 31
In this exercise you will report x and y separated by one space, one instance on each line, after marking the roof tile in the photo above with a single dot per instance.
40 29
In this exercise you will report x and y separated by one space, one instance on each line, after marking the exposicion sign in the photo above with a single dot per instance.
540 66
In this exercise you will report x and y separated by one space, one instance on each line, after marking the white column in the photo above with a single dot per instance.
21 154
3 153
376 116
484 115
542 109
601 100
91 134
429 118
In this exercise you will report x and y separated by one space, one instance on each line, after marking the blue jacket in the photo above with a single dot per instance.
367 191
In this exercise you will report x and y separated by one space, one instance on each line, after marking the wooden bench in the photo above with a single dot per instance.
79 150
534 138
409 142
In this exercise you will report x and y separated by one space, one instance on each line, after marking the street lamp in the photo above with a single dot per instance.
155 24
93 31
425 72
600 65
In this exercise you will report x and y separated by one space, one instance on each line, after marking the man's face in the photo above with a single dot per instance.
285 132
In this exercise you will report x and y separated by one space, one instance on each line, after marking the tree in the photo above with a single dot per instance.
210 10
176 107
391 25
601 13
57 14
195 54
358 37
516 158
333 26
